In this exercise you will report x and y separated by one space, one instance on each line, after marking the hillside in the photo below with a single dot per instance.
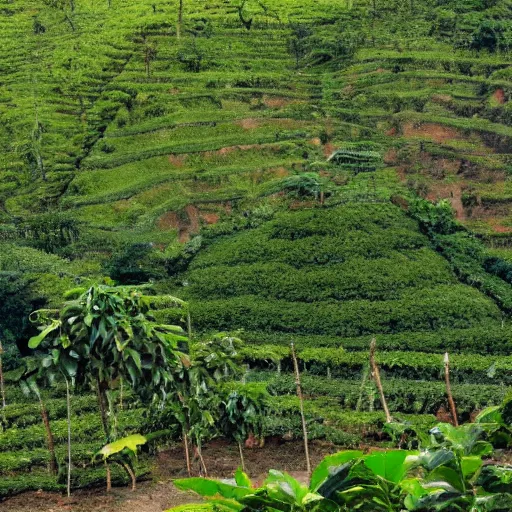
279 165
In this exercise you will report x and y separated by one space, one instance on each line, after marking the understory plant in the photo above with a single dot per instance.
448 475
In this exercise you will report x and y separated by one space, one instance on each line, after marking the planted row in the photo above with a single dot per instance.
455 306
465 368
379 279
491 339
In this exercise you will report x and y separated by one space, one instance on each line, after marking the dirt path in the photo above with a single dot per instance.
159 494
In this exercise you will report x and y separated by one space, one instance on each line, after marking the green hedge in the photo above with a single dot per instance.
465 368
403 396
255 246
486 339
84 427
455 306
378 279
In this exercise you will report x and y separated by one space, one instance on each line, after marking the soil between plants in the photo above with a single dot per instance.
158 493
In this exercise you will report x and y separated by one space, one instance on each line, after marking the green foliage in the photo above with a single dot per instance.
137 264
108 333
448 473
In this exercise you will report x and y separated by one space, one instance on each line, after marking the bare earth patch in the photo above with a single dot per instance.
160 494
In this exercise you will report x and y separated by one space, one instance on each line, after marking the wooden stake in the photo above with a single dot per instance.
241 455
187 453
451 402
68 407
376 376
301 402
109 476
2 387
189 326
361 390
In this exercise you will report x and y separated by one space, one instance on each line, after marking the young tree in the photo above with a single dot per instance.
32 373
107 333
241 414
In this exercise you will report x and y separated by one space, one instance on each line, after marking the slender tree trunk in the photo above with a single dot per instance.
451 402
301 403
2 385
187 452
68 406
109 477
131 474
241 455
49 437
376 376
189 326
102 403
361 390
203 465
180 20
121 393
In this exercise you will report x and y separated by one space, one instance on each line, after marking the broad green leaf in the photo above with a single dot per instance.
389 465
445 478
241 479
131 443
470 465
329 465
35 341
209 488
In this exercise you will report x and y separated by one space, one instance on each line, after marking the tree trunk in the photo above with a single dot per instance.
451 402
301 402
180 20
376 376
121 386
241 455
68 406
361 390
2 386
187 452
203 465
109 477
102 403
189 326
131 474
49 438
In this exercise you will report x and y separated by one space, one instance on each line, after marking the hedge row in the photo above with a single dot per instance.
465 368
486 339
85 427
80 478
379 279
403 396
325 419
254 246
456 306
368 217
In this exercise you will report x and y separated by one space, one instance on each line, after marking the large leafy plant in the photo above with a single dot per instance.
449 475
107 333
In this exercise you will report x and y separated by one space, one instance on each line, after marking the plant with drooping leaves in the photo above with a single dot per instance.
242 413
106 333
123 452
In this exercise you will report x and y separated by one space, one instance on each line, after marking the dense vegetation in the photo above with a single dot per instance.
311 171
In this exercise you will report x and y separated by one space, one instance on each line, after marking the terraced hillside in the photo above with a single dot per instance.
269 163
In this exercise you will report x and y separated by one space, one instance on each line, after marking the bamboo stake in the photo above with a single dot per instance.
451 402
68 407
109 476
376 376
189 326
187 453
301 402
241 455
2 387
361 389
